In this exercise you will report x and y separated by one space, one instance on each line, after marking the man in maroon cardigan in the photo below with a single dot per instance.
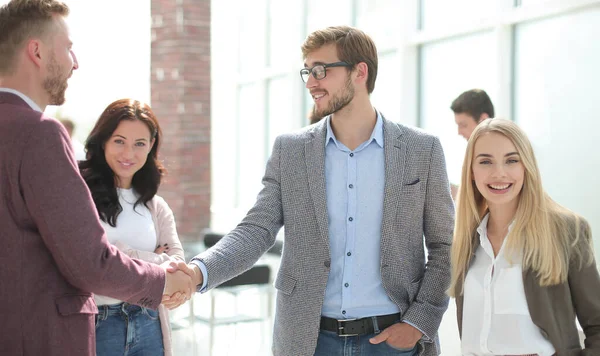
54 252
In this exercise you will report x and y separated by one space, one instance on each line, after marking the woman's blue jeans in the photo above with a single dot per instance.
128 330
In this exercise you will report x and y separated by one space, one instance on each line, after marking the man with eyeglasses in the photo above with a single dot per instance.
359 197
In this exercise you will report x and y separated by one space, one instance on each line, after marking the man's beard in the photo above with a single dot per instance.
338 102
55 84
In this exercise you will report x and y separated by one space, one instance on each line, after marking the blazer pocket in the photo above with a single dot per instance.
285 284
413 182
412 185
76 304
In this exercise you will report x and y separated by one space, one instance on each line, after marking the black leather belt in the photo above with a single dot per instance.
354 327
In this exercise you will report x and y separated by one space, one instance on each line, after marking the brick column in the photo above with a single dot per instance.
180 92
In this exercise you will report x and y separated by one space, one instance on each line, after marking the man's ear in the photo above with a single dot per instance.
34 51
362 72
483 116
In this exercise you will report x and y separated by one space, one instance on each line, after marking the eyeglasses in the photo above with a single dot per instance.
320 70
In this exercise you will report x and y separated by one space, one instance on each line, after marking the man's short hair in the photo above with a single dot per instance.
353 46
21 20
473 102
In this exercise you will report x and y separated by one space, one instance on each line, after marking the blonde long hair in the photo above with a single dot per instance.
546 233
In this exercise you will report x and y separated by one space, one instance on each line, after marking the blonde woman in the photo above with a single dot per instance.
522 265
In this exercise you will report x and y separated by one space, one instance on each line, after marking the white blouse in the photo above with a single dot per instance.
134 228
496 319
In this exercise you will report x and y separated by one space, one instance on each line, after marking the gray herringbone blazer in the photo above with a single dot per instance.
294 196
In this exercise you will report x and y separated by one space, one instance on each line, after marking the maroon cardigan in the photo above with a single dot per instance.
53 251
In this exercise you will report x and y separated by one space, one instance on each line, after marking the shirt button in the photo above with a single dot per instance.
346 285
350 219
327 263
351 154
349 254
351 186
344 312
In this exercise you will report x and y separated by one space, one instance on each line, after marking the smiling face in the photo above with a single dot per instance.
126 151
336 90
498 172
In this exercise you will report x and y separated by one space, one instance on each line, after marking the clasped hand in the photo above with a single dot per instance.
181 283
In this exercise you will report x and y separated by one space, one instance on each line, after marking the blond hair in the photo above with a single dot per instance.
544 232
21 20
353 47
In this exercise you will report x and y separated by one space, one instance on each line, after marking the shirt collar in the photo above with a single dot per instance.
376 135
482 228
25 98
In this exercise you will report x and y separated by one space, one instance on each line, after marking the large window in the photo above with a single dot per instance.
252 37
251 133
383 26
285 34
556 102
436 14
387 87
537 59
321 13
284 94
449 68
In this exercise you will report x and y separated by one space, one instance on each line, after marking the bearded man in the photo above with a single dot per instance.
359 197
54 251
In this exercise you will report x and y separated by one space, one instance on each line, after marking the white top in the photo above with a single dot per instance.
496 319
134 228
27 99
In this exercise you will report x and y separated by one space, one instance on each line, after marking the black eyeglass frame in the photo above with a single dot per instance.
309 71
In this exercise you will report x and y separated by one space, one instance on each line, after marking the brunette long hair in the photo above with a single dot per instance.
97 173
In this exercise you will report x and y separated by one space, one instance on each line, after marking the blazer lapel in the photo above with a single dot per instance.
395 156
314 152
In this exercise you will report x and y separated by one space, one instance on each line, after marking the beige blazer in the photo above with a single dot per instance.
166 231
553 309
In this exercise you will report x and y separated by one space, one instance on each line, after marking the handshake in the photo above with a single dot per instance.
181 281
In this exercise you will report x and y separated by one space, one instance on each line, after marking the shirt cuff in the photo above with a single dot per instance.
425 338
202 266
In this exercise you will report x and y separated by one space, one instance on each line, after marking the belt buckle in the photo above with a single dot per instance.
340 327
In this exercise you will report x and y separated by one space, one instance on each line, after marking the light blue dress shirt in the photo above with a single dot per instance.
354 184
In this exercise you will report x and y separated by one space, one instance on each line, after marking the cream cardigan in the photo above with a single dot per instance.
166 233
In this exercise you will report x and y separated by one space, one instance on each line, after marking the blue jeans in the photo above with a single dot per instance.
330 344
128 330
